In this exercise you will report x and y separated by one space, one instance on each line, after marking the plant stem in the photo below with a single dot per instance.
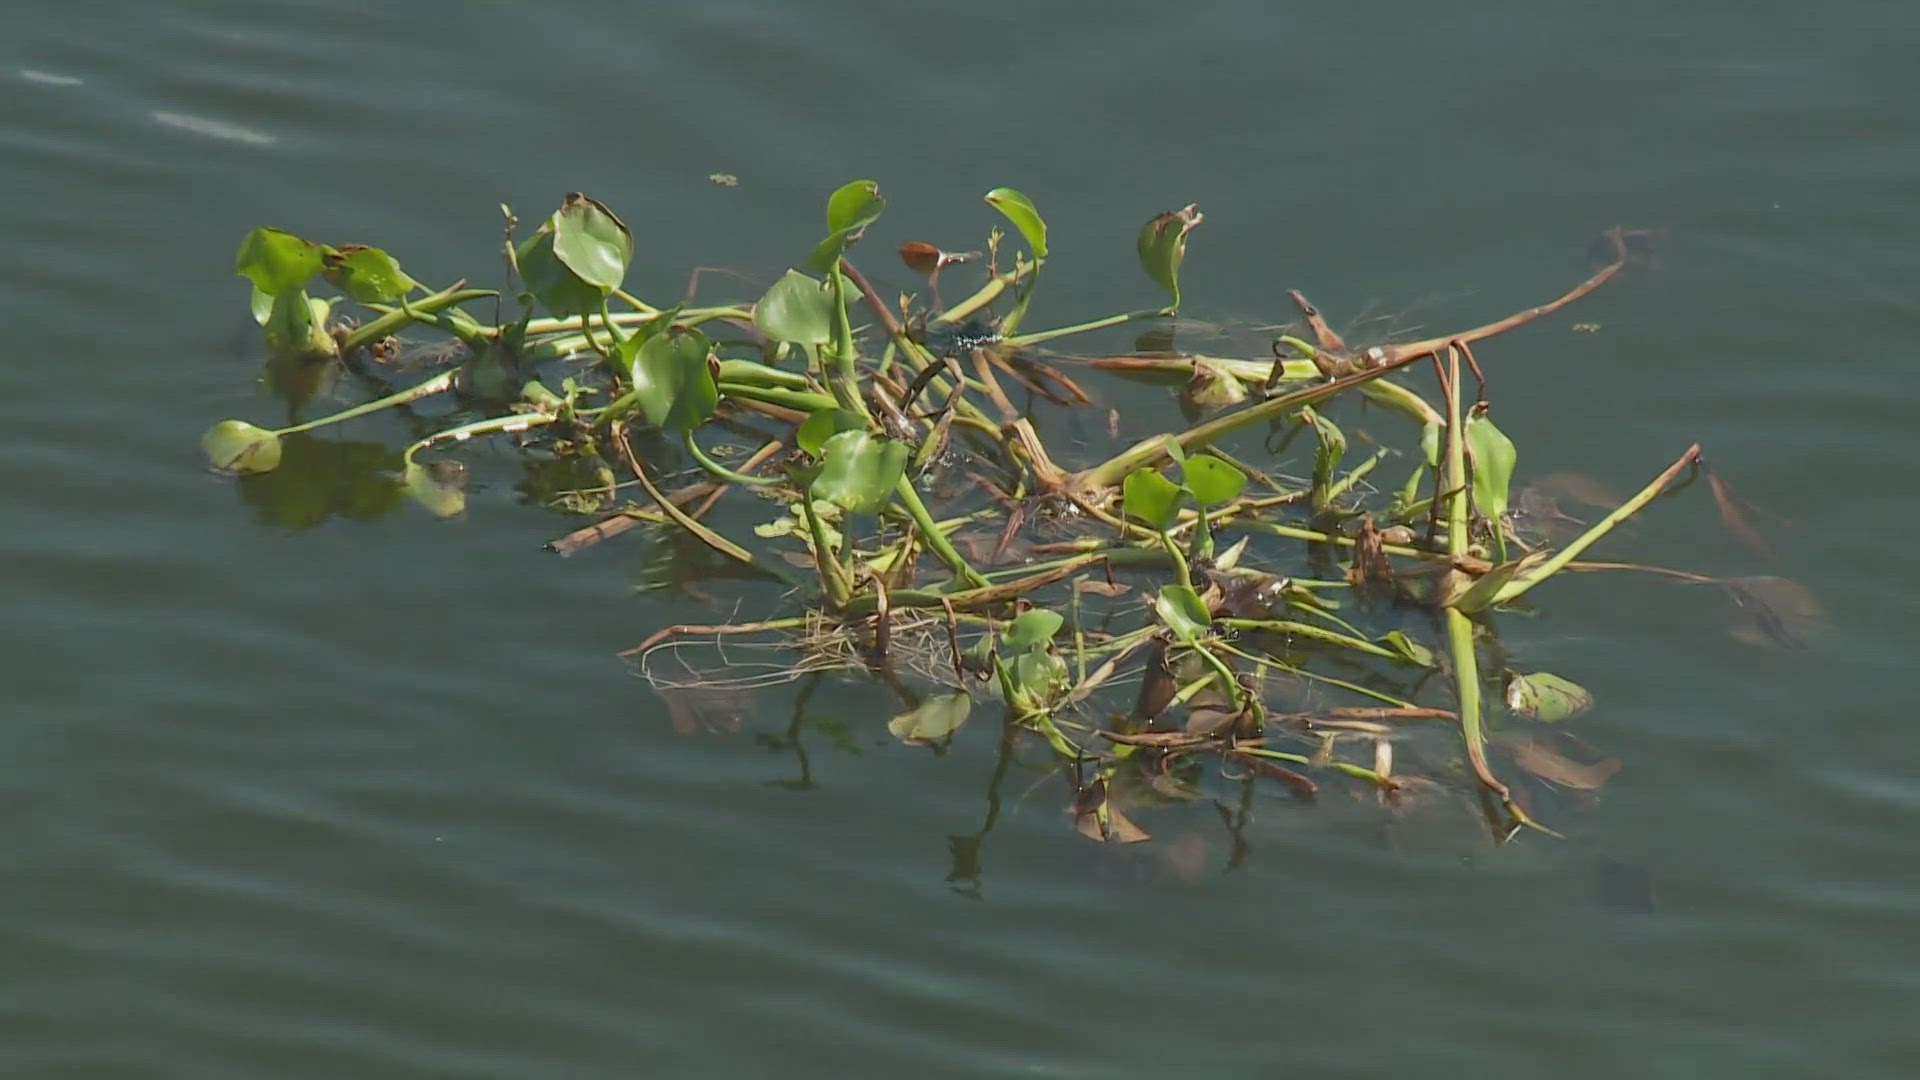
1039 336
395 318
936 540
438 384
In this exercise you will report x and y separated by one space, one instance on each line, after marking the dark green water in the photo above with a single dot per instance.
373 798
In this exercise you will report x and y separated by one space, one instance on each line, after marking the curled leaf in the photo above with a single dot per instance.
1546 697
367 274
440 486
1149 497
1020 210
1163 246
1033 629
1493 456
277 261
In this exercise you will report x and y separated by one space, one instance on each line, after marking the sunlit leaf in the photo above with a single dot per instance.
562 292
1032 629
276 261
1481 591
1038 676
1545 696
440 486
235 446
592 242
935 720
824 424
858 471
674 381
367 274
296 327
1330 447
1183 612
1149 497
1210 387
1212 480
261 304
1020 210
1493 456
797 309
849 211
1163 246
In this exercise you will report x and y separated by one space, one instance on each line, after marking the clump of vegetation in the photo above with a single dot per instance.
1136 614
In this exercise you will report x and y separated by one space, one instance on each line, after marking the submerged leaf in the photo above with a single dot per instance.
858 471
1734 515
440 486
935 720
1020 210
1542 760
235 446
1774 611
1545 696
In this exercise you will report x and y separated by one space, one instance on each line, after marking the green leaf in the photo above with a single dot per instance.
277 262
1412 650
1020 210
1545 696
235 446
1033 629
558 289
849 211
1493 456
1332 446
674 381
1183 612
824 424
1212 480
858 471
645 332
592 242
797 309
1430 443
1038 676
296 327
1150 497
367 274
440 486
936 719
1163 246
261 304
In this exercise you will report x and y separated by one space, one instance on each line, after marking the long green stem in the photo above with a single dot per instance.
936 539
724 473
438 384
415 311
1039 336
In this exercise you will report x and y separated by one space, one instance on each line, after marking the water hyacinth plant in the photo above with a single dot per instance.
1135 614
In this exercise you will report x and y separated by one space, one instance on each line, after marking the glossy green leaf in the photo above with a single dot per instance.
1330 447
1545 696
276 261
1020 210
1163 246
367 274
935 720
674 381
824 424
558 289
1212 480
1033 629
797 309
592 242
235 446
261 304
638 337
440 486
1493 456
849 211
858 471
1183 612
1150 498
